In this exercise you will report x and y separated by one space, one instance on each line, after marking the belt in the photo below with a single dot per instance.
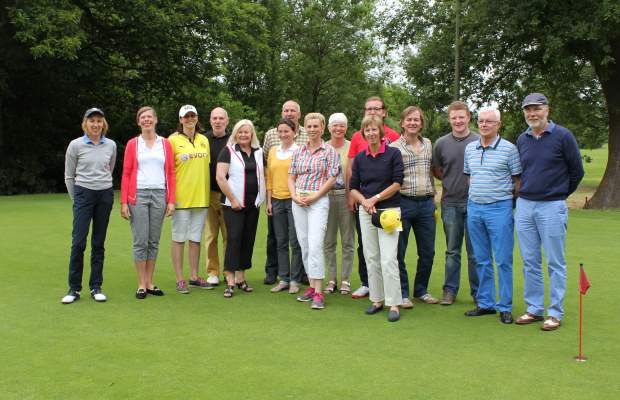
418 198
305 192
337 191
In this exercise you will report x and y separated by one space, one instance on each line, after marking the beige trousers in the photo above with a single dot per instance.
215 223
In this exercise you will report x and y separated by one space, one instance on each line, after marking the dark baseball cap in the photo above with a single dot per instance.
537 99
92 111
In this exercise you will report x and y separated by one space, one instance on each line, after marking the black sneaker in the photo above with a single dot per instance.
70 297
269 280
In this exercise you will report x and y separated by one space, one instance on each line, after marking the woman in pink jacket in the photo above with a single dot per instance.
147 194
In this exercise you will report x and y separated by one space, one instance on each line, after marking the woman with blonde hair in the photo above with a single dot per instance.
89 163
312 174
147 195
240 175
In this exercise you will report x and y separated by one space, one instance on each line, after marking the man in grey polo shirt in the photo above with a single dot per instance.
447 165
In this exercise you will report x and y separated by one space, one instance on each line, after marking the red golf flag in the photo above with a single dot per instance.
584 284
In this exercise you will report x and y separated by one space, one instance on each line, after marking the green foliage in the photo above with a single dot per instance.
507 51
327 54
64 56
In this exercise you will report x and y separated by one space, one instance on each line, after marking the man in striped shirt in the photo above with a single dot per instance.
417 205
493 167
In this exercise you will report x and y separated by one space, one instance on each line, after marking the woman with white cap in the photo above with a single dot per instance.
340 218
89 163
376 178
191 168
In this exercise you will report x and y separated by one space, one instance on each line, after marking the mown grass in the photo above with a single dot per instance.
594 164
266 346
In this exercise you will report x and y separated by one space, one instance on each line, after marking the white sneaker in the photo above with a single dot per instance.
362 291
293 288
213 279
280 287
70 297
97 295
407 304
428 299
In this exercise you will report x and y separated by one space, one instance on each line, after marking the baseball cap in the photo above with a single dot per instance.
388 220
93 110
186 109
537 99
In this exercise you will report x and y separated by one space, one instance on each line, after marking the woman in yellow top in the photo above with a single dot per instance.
191 167
279 207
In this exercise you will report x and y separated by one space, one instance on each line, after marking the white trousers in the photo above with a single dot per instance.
310 225
380 250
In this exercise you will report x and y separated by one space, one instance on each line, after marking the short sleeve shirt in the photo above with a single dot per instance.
251 178
191 168
449 154
358 143
314 168
490 170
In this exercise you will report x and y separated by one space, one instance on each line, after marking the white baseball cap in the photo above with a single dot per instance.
186 109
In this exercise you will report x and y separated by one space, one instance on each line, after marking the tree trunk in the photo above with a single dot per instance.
608 193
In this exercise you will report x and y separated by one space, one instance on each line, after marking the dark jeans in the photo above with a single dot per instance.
454 220
241 230
289 266
88 205
418 215
361 261
271 261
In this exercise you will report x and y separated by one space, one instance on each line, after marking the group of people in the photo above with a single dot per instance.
380 184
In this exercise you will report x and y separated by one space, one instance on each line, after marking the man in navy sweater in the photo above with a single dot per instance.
552 170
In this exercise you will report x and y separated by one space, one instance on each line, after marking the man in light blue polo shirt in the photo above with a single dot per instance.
493 167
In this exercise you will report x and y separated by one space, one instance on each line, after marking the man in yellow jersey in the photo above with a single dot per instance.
191 167
217 136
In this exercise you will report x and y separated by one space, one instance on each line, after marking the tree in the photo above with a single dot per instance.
329 55
510 49
62 56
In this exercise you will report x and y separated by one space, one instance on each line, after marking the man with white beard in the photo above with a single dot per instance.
552 170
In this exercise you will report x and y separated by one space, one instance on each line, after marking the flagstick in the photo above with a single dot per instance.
580 357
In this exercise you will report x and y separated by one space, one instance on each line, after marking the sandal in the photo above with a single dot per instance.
228 292
330 288
243 285
345 287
